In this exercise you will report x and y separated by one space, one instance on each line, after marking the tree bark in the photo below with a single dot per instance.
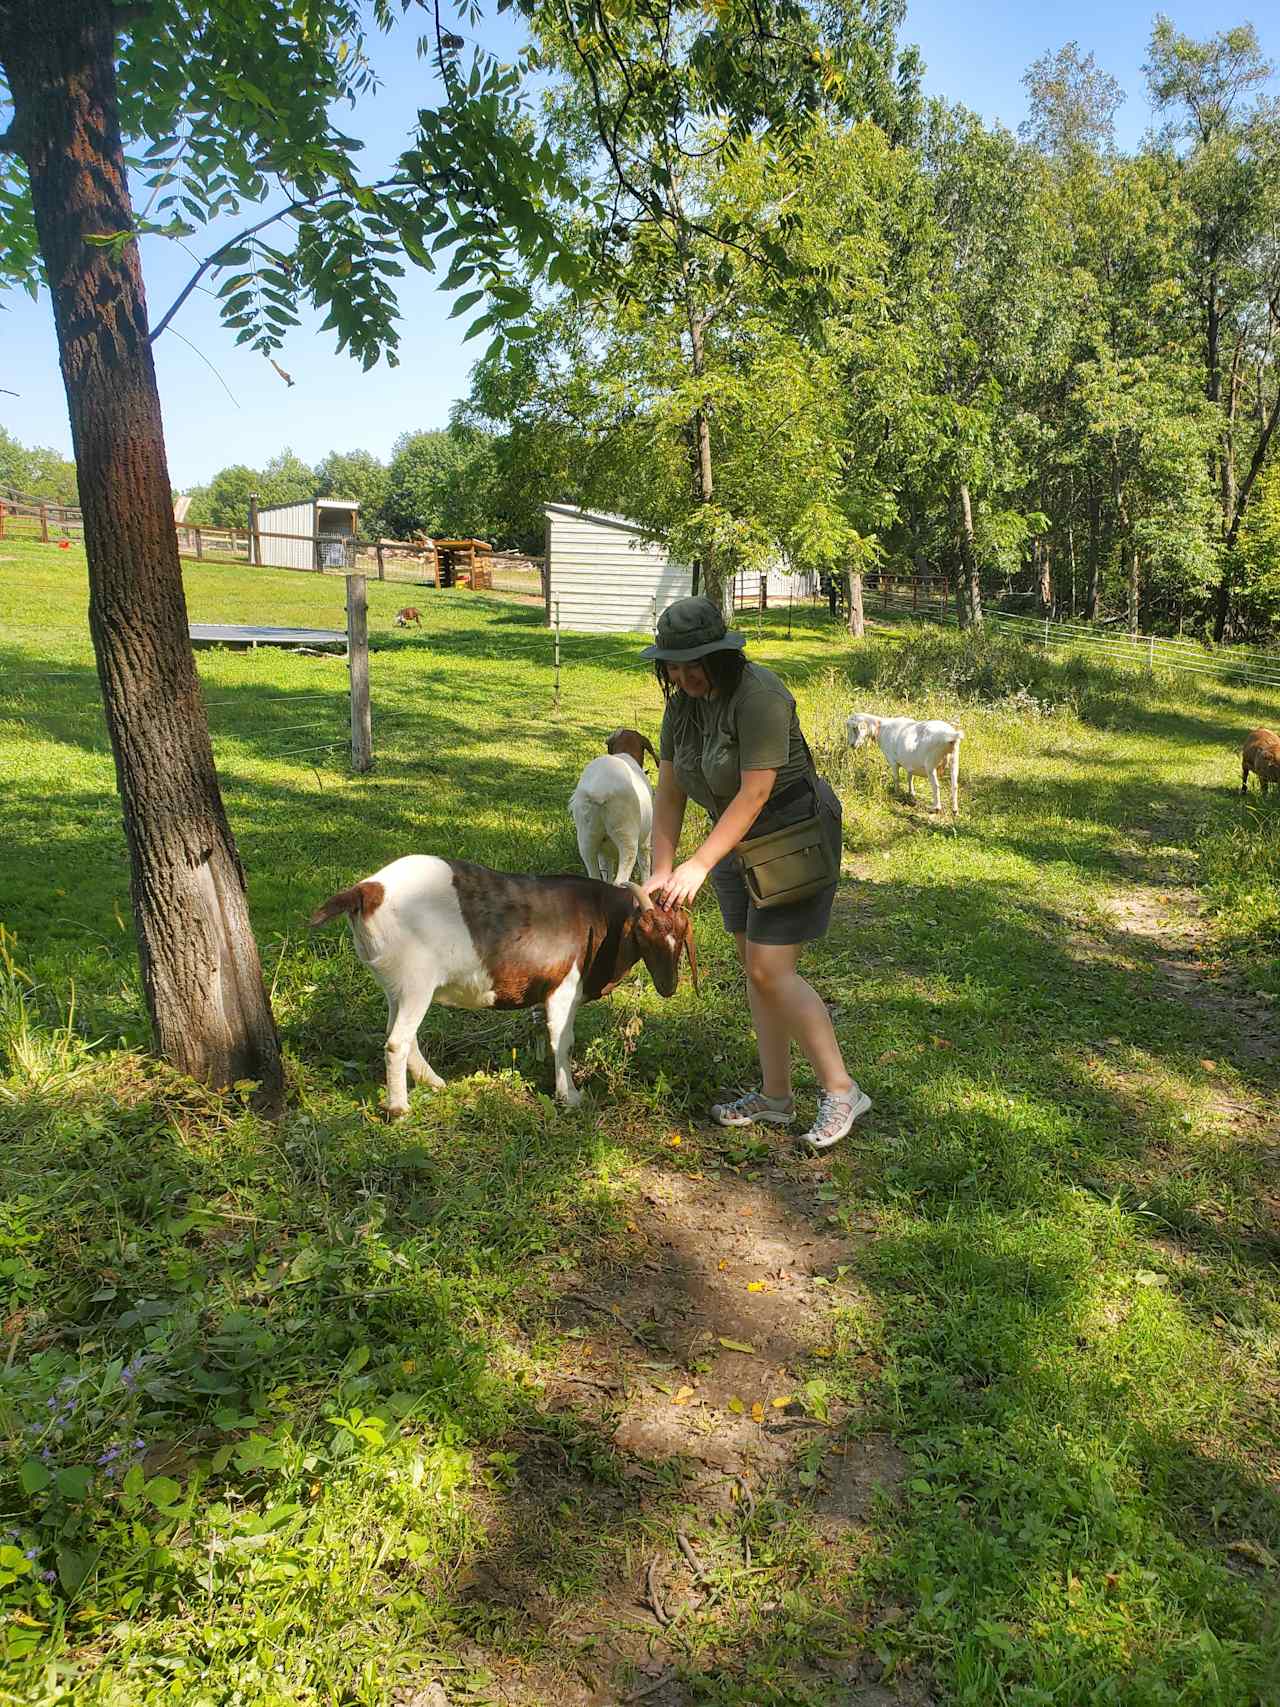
857 622
1134 587
1044 571
200 966
970 585
1091 593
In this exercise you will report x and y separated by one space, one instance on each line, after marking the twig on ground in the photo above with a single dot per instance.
653 1597
651 1688
686 1547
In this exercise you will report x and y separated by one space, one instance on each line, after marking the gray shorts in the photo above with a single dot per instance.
804 921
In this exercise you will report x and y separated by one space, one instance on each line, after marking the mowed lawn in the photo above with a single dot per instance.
273 1394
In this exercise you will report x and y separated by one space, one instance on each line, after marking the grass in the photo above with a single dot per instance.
277 1397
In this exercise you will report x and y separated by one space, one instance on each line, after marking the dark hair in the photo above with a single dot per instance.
724 671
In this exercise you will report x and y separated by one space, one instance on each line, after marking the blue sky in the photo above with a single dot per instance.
973 53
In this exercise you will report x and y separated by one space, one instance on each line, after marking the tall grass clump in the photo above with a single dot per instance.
931 667
1240 875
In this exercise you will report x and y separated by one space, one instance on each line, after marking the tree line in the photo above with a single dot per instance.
36 471
448 484
1038 363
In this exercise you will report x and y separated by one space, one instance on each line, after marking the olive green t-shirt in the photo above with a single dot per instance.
710 742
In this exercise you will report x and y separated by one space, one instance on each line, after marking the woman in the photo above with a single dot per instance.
731 741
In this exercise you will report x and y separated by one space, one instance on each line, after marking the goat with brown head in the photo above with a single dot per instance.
633 743
662 934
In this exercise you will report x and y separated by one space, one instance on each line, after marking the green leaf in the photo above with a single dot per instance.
464 302
33 1478
74 1482
162 1491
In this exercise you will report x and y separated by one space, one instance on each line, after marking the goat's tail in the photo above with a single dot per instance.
361 899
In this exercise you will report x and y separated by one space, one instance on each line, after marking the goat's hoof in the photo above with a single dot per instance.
571 1099
397 1113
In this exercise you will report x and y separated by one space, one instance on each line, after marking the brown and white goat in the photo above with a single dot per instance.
612 810
1261 756
448 931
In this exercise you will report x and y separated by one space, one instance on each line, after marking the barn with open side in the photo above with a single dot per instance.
607 574
315 534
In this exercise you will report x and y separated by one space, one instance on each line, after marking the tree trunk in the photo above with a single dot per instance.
1091 592
970 594
1044 570
717 577
857 622
1134 587
200 966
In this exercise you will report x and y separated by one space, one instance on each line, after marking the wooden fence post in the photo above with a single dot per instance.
857 622
199 546
382 568
255 553
44 523
358 663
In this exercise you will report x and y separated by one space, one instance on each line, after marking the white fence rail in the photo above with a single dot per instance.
1140 651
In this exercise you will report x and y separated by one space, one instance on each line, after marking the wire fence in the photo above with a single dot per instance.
1140 651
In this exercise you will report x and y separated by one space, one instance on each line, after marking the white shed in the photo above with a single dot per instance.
314 534
606 574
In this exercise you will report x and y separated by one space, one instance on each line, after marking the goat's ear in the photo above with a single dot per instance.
661 943
648 747
362 898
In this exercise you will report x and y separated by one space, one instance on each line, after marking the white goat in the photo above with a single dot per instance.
613 804
918 748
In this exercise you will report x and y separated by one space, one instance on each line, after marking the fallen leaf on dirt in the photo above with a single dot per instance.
756 1286
782 1401
736 1406
683 1396
822 1351
757 1412
1209 1066
723 1263
676 1140
737 1345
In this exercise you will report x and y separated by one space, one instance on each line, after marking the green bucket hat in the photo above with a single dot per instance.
689 629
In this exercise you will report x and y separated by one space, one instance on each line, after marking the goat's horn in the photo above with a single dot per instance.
644 899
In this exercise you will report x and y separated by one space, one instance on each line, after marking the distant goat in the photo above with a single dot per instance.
448 931
612 808
918 748
1261 756
410 613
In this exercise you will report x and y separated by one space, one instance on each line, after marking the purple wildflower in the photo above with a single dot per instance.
49 1576
112 1453
32 1553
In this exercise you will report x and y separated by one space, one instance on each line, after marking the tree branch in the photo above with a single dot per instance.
1255 469
9 143
242 237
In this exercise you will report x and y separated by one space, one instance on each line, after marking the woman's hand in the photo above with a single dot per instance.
678 888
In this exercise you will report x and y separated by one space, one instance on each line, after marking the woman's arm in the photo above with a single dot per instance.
678 888
668 821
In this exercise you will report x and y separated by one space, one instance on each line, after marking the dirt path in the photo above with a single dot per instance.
695 1424
1161 914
